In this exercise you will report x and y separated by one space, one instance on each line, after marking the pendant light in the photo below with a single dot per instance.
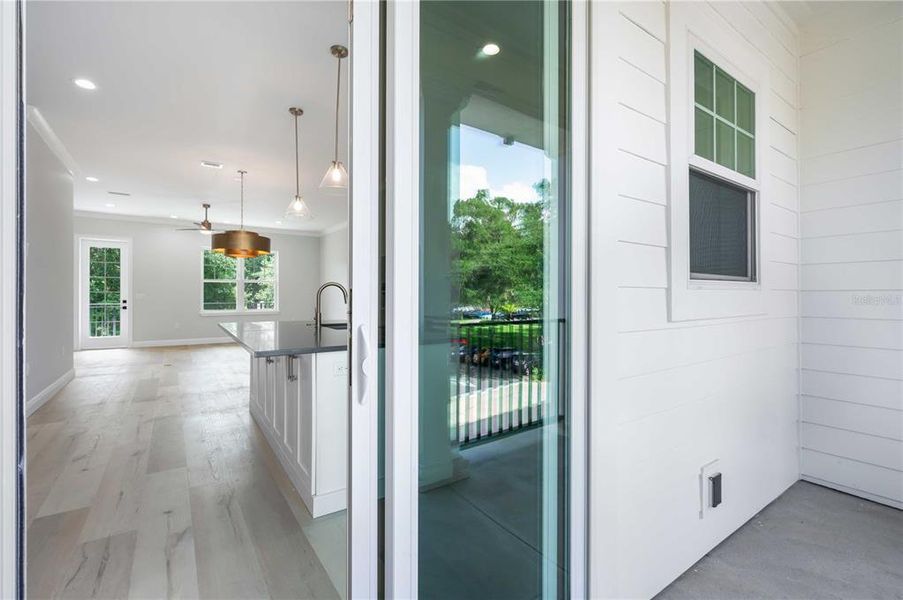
336 175
240 243
297 208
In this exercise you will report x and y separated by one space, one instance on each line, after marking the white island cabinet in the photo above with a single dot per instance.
299 399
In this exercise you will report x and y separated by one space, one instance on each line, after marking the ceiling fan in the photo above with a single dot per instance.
205 227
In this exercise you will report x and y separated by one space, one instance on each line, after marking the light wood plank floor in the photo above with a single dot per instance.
147 478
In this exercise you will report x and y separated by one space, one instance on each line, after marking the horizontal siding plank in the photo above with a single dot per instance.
858 120
642 266
783 112
855 361
642 179
650 351
782 276
641 222
642 308
853 332
887 245
886 393
782 139
781 166
783 221
782 304
837 22
782 248
865 189
750 29
641 92
876 158
850 444
884 275
871 420
642 49
649 15
855 305
884 216
782 193
854 475
642 135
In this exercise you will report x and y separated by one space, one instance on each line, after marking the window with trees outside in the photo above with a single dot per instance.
239 285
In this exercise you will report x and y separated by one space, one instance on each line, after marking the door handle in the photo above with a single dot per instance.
363 362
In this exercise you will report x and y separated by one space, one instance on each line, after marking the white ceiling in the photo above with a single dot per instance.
182 82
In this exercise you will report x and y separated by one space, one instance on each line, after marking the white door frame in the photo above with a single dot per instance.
124 340
363 236
402 296
11 401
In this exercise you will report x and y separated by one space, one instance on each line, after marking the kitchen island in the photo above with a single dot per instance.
299 399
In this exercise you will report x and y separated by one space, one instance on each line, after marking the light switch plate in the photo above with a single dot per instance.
705 489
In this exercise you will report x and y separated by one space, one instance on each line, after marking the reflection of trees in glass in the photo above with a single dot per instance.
498 250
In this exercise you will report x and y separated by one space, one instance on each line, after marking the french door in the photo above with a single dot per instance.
103 294
485 248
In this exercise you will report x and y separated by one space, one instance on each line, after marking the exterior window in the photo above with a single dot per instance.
239 285
725 118
722 230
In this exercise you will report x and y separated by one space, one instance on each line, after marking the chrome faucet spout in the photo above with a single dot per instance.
318 316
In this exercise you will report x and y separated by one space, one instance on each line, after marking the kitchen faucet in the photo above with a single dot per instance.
318 316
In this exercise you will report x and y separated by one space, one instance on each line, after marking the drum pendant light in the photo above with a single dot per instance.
297 208
240 243
336 175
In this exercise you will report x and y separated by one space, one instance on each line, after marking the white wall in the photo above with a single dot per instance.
682 394
166 272
49 321
334 267
851 144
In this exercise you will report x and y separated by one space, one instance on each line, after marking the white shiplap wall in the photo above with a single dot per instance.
851 74
686 393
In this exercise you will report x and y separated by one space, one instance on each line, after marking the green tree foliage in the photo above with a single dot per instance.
498 249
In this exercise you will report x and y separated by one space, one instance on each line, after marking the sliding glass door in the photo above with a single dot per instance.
481 395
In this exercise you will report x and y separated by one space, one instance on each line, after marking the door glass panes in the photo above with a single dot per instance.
725 118
104 281
493 411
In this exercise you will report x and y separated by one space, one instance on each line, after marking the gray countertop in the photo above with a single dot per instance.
285 338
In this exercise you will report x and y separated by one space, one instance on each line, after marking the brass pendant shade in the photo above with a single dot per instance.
240 243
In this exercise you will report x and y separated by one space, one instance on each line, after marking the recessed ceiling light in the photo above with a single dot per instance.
110 205
173 217
85 84
491 49
211 165
92 179
278 222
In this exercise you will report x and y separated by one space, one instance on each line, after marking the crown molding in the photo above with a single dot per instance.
40 124
90 214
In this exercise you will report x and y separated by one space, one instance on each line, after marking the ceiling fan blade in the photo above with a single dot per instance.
189 229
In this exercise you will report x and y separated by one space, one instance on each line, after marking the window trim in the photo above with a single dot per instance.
693 28
239 290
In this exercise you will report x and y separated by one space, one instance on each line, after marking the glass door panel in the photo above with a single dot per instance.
103 300
493 412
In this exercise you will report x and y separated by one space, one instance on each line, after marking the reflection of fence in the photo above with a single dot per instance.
498 384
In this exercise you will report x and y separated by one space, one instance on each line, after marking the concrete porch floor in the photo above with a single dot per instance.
812 542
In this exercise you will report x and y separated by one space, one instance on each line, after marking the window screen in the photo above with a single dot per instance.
722 223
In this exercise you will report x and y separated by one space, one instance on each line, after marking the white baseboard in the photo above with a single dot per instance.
48 392
186 342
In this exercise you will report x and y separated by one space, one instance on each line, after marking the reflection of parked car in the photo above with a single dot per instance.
501 358
477 314
480 356
523 314
523 362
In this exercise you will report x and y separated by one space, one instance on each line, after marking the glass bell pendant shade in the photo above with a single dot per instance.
336 176
297 208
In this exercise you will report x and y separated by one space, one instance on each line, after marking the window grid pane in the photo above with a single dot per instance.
724 129
239 284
